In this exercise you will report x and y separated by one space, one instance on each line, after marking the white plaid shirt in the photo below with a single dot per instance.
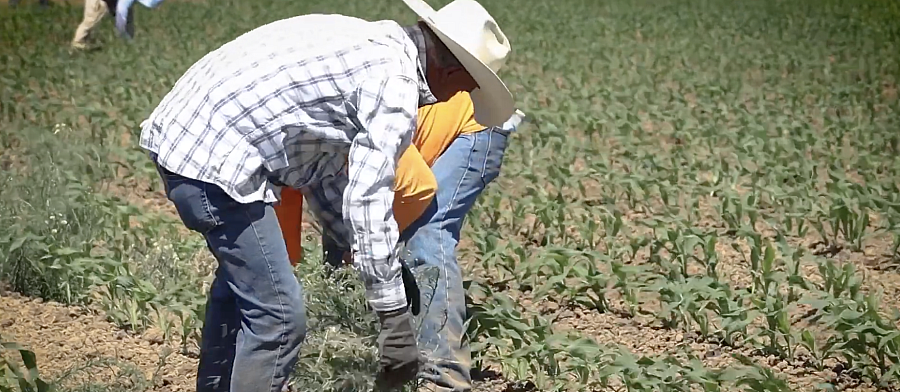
287 103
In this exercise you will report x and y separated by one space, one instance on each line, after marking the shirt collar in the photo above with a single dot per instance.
418 37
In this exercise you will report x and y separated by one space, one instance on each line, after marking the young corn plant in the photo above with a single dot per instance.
863 338
525 346
15 378
631 282
687 304
574 276
819 351
771 300
756 378
793 261
866 341
734 208
780 339
684 247
851 223
639 374
735 314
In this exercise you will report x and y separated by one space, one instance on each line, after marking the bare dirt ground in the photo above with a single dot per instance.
66 338
69 338
79 340
76 340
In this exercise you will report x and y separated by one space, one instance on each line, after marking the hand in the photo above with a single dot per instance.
399 363
413 297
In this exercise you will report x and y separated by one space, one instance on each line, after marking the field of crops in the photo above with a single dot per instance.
707 198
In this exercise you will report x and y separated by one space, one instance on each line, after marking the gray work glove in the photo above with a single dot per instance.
399 363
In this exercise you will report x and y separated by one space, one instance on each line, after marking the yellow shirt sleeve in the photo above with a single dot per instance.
414 187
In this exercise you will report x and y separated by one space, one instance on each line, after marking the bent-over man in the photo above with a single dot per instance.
291 103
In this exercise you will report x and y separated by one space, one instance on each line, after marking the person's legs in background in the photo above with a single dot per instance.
470 163
94 10
255 318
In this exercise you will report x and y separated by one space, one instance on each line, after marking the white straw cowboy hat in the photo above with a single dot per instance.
473 36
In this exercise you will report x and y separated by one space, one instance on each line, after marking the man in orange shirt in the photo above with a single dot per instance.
449 163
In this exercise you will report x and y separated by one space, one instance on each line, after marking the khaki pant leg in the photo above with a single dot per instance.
94 10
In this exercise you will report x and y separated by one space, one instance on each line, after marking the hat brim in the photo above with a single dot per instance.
492 100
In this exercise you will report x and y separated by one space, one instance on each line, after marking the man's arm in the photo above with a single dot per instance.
325 201
386 118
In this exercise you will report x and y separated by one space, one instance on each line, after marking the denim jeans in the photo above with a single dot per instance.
463 171
255 317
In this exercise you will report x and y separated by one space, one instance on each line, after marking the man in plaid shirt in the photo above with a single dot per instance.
291 103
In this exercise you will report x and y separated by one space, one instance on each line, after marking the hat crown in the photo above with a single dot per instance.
473 28
470 25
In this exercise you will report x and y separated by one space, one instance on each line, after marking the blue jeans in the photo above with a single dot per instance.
463 171
255 317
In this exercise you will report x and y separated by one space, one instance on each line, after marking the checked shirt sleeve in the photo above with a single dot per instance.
386 116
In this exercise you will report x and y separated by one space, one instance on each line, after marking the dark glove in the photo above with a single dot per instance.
413 297
399 361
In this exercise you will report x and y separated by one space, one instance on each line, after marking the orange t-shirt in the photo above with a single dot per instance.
437 126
